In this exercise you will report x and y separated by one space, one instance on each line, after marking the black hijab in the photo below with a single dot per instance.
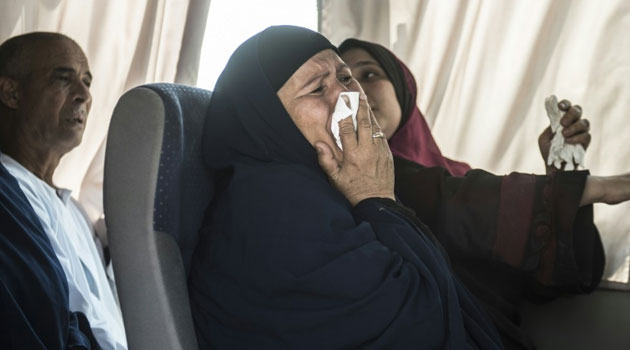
254 124
283 260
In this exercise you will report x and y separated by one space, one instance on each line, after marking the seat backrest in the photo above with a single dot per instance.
156 190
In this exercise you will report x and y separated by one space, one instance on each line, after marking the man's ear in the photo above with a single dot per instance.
9 95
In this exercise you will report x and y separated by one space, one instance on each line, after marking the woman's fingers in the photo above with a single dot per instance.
378 137
364 124
367 168
564 105
376 129
367 129
576 130
347 134
571 116
578 127
327 160
583 139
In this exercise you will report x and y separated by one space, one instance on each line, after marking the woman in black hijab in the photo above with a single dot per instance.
305 248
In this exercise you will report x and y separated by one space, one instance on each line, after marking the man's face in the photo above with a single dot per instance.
54 95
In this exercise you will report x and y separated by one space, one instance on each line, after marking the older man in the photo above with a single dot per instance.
44 103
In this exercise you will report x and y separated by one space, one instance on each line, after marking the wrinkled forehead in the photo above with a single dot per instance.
326 57
324 62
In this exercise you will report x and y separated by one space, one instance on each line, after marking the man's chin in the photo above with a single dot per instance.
71 142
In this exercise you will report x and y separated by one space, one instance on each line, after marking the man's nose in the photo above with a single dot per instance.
82 93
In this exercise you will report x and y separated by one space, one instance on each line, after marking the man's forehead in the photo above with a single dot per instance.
59 53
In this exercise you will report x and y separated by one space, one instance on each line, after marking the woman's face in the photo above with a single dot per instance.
311 94
378 88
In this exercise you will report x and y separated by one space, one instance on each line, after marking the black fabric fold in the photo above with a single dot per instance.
284 261
560 248
305 270
281 52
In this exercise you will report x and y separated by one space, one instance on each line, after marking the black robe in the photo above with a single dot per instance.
510 238
284 260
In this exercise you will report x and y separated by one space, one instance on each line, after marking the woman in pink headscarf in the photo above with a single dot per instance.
506 235
408 133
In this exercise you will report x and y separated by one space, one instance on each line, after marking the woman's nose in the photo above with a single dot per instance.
339 87
334 92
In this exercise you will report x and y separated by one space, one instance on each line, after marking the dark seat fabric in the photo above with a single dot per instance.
185 185
33 287
156 189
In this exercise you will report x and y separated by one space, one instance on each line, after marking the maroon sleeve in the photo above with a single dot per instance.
564 247
532 223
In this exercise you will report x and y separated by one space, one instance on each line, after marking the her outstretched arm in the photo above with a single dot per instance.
606 189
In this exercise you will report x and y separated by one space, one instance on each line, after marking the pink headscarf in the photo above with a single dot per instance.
413 139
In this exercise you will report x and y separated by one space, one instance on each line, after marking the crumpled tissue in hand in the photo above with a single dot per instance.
342 111
560 151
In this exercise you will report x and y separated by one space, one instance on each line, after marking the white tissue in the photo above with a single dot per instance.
342 111
560 151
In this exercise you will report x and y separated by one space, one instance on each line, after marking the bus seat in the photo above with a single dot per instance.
600 320
156 189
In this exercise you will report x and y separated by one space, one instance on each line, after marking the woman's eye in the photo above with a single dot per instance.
369 75
319 90
346 79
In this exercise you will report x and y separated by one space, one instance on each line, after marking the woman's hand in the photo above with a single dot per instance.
574 129
367 167
606 189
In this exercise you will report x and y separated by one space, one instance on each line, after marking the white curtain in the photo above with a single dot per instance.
484 68
127 43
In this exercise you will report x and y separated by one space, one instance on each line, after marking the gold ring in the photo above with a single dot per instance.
378 134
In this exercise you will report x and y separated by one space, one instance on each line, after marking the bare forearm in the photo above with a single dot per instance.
606 189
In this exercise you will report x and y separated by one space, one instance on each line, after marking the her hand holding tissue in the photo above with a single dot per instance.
573 132
366 168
